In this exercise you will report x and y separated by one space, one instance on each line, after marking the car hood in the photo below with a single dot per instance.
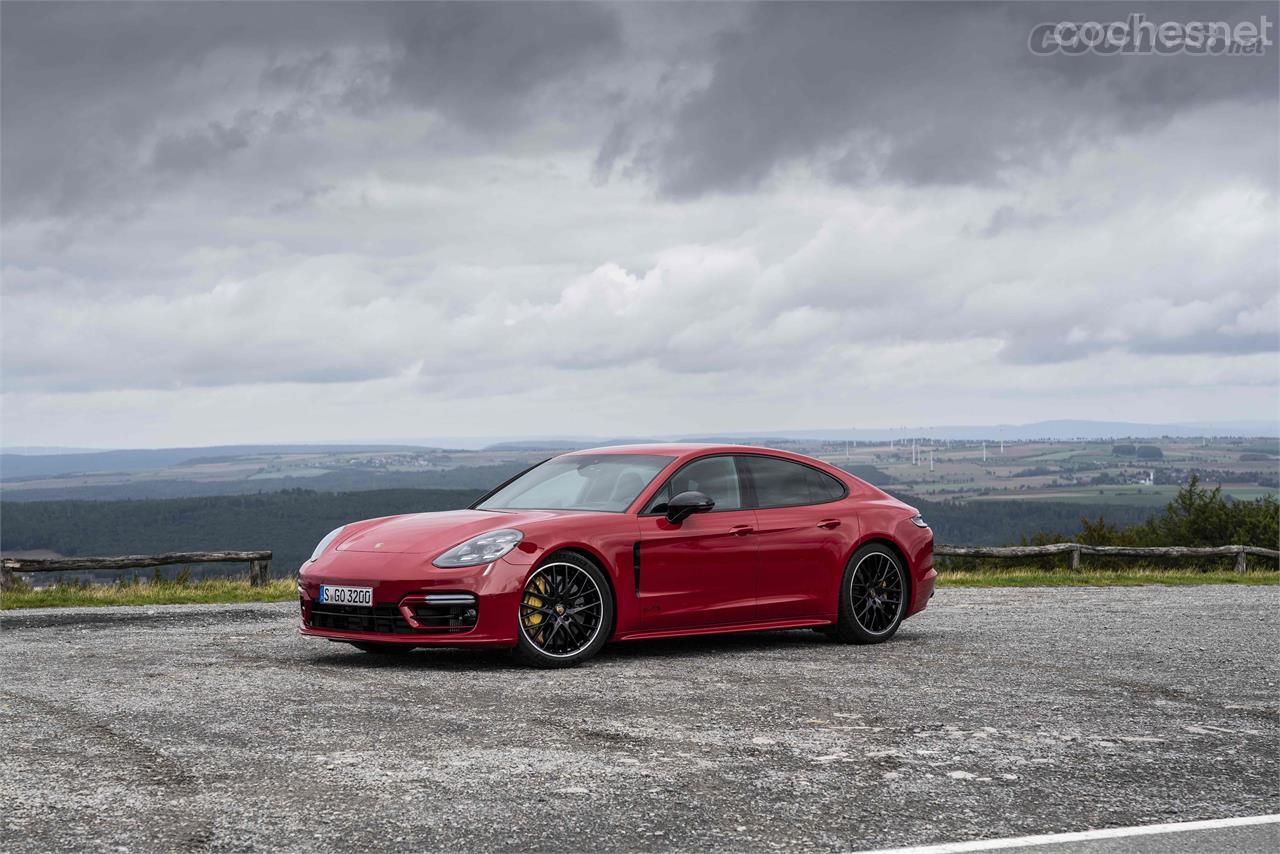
423 533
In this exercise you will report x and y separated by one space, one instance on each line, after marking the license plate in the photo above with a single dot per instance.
331 595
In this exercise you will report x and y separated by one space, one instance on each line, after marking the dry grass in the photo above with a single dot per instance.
136 593
1136 577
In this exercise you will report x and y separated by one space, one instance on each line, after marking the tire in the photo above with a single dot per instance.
565 614
873 596
383 648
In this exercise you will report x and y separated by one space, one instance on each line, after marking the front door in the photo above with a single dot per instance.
701 572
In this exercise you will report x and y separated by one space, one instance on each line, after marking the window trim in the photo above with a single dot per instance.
513 478
475 505
755 499
747 484
743 489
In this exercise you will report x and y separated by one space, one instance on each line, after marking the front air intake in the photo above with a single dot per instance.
381 619
441 612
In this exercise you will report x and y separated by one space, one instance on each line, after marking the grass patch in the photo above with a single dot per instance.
162 593
1032 577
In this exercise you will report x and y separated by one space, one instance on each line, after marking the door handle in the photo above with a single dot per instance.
741 530
829 524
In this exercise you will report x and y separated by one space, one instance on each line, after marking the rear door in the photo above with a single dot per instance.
804 534
701 572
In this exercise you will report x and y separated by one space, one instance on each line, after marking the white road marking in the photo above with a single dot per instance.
1080 836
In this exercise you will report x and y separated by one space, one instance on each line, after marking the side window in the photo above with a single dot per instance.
713 476
833 489
781 483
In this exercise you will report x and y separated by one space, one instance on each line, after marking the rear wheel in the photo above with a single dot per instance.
565 614
873 596
382 648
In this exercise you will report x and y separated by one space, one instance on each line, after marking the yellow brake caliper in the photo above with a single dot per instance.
533 597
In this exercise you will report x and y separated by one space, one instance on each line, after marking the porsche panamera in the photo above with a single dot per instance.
627 543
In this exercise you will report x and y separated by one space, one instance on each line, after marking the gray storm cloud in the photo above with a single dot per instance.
764 214
923 93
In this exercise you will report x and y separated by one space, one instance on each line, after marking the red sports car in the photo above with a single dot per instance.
622 543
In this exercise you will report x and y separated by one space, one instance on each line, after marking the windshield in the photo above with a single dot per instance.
607 482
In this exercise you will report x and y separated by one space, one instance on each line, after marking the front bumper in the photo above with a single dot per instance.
414 603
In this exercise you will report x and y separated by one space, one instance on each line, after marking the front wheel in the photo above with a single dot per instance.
566 612
873 596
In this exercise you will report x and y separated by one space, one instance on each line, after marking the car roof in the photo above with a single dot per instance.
682 451
679 449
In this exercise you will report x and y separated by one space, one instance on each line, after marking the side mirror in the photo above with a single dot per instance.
686 504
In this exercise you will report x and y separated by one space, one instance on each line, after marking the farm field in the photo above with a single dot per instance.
1104 473
1145 473
266 469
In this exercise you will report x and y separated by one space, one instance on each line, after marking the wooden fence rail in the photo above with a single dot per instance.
1075 550
259 563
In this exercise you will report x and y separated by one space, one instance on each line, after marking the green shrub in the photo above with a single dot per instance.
1195 517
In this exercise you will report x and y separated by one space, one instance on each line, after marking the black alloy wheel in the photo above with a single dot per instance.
566 612
873 596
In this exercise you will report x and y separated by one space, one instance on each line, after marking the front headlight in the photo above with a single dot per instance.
485 548
324 544
919 521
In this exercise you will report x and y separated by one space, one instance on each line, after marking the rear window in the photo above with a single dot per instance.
782 483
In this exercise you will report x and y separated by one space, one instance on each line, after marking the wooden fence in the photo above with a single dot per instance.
259 563
1075 550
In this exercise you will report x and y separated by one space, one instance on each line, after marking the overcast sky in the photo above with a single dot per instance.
286 222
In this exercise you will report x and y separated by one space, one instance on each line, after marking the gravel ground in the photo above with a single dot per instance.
995 713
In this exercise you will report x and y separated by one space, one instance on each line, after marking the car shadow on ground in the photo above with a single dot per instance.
614 654
697 646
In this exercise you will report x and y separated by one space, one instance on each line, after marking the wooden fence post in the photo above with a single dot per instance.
1075 559
259 570
1241 559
